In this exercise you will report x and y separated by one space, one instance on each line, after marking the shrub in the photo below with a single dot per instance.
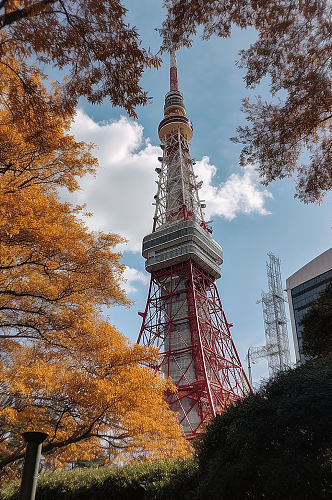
276 444
156 481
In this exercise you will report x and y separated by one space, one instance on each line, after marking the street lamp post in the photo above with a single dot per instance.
34 442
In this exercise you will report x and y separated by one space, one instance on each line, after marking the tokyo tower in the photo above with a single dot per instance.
184 317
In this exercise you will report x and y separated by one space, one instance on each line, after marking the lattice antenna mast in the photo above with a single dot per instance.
184 317
276 349
275 320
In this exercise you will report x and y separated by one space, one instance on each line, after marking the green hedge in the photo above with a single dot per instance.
275 444
157 481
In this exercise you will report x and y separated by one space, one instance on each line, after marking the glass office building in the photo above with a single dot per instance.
303 287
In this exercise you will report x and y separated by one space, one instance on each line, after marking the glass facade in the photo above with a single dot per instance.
302 297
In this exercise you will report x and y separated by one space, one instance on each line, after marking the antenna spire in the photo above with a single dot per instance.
173 72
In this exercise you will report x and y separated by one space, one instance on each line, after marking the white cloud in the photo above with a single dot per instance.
240 193
131 276
121 195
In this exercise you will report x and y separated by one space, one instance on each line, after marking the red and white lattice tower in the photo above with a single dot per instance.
184 317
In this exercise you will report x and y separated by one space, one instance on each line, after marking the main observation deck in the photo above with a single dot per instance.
179 243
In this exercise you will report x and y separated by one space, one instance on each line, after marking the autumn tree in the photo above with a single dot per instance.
64 368
293 50
90 394
99 54
96 54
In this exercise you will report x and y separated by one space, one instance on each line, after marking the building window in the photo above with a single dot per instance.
302 298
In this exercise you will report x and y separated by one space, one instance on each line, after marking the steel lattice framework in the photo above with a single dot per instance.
276 349
275 320
177 195
184 317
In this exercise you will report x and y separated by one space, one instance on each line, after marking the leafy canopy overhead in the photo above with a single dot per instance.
294 50
99 54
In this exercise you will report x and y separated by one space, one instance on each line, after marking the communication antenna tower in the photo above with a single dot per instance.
183 316
276 349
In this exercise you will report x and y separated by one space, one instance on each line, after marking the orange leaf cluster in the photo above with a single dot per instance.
90 395
64 368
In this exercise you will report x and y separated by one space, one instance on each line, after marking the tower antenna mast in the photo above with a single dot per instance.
183 316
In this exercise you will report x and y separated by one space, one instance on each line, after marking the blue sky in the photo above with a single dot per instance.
249 220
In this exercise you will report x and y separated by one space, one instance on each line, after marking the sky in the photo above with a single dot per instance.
249 220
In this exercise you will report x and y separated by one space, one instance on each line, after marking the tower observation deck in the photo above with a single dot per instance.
184 317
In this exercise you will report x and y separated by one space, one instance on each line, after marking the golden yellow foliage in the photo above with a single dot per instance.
52 268
33 146
89 394
64 368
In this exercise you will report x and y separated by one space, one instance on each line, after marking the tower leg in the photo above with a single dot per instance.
185 320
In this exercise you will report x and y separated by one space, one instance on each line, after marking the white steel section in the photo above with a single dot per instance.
276 349
208 372
275 319
177 186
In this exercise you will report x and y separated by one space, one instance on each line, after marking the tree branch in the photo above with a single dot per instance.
31 11
3 3
51 445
